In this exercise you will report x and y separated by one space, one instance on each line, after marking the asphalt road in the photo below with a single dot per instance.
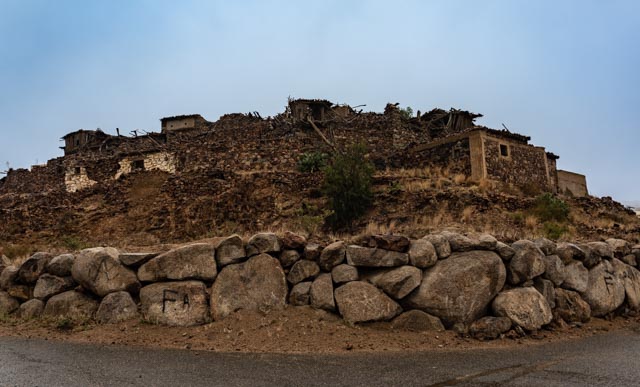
607 360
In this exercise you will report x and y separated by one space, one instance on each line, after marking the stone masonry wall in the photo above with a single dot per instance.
76 179
157 161
471 283
524 164
456 155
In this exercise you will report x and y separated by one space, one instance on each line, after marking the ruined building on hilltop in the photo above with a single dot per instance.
243 143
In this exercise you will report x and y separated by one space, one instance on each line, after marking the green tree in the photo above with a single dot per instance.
406 113
347 185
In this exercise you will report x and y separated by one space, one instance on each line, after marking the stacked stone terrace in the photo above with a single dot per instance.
470 283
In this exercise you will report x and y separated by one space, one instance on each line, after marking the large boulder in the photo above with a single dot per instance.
389 242
293 241
525 307
417 321
554 269
576 277
605 292
546 246
321 293
49 285
630 259
359 302
31 309
571 307
373 257
299 294
117 307
344 273
527 263
601 249
61 265
459 288
302 270
257 284
180 303
136 259
505 251
569 252
620 247
471 241
8 277
99 271
8 304
489 327
194 261
398 282
332 255
265 242
312 251
546 288
630 277
71 304
21 292
440 243
230 250
289 257
591 256
422 254
33 267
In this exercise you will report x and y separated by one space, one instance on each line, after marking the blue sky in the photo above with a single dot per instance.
567 73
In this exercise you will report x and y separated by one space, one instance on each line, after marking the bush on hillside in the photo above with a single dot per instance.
347 185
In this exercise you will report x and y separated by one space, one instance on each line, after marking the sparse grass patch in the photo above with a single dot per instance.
459 178
553 230
467 214
18 252
65 324
74 243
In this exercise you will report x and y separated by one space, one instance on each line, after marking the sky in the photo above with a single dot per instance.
566 73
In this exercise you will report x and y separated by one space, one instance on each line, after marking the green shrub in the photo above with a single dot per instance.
73 243
549 208
553 230
312 162
347 185
406 113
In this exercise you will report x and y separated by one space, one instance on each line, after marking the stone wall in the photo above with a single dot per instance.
571 183
76 179
40 178
454 154
471 283
157 161
522 165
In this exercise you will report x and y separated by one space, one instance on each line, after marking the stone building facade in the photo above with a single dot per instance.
241 144
572 183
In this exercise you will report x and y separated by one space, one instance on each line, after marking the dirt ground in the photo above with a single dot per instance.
292 330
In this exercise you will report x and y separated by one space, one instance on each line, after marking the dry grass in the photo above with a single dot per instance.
459 178
467 214
414 186
381 228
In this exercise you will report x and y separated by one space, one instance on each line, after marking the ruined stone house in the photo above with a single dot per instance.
189 144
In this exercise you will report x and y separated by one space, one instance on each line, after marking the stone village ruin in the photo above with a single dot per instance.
248 142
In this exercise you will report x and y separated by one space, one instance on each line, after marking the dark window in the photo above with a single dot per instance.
504 150
137 165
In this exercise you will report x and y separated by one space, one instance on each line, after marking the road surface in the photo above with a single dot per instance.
611 359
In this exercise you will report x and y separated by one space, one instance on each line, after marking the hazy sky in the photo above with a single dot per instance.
567 73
